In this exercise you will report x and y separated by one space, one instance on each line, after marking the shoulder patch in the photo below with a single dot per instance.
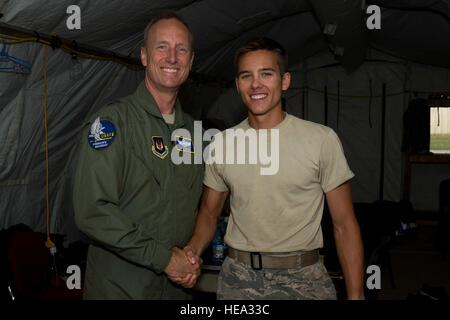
102 134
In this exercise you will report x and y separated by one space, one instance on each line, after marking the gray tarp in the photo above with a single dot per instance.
414 34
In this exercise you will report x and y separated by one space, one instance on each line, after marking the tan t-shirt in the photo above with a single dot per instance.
169 118
281 212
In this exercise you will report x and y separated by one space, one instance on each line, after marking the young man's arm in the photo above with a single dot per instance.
205 228
348 239
206 224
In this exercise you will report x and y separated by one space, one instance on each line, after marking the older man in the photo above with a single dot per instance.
134 203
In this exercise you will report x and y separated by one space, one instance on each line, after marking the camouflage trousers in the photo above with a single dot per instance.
238 281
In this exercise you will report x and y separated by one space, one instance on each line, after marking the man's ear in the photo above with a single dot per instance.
285 81
144 56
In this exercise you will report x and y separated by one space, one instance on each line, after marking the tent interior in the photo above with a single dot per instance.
347 73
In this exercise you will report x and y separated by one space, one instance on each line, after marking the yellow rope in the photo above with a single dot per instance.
15 40
48 243
69 50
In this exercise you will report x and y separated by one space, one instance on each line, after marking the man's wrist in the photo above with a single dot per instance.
356 296
162 258
192 248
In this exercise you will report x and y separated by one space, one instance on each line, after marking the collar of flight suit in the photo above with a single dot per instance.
147 101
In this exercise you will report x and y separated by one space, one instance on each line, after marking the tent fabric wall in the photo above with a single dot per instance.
412 32
22 156
361 142
425 178
221 26
404 79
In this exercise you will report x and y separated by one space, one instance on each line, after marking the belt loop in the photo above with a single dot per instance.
299 261
259 260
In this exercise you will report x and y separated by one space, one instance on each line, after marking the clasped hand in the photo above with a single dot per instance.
184 267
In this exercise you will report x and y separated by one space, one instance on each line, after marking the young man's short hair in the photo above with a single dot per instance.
262 43
168 14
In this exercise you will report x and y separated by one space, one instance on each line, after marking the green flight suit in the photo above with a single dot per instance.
133 202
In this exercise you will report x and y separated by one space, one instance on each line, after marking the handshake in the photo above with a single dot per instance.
184 267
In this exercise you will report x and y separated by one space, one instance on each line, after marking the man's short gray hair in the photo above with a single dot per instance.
168 14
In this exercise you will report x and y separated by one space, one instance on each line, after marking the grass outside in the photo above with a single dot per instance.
440 142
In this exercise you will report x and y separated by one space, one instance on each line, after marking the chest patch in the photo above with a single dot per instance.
184 144
158 148
102 134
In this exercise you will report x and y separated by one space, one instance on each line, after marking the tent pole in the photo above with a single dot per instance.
383 125
325 97
305 90
303 103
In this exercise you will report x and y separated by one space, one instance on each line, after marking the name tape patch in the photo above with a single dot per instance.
184 144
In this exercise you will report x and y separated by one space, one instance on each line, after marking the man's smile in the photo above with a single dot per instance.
258 96
169 70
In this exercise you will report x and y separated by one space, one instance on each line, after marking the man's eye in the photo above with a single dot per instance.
266 74
245 76
162 47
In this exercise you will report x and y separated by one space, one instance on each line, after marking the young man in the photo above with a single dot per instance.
135 204
274 227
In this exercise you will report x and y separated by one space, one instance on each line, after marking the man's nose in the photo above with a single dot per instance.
255 83
171 56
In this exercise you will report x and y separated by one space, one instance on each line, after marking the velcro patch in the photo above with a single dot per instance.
158 148
102 134
184 144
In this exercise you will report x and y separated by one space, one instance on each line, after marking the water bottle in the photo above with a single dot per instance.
218 248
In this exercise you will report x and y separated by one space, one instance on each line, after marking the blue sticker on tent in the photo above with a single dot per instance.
102 134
